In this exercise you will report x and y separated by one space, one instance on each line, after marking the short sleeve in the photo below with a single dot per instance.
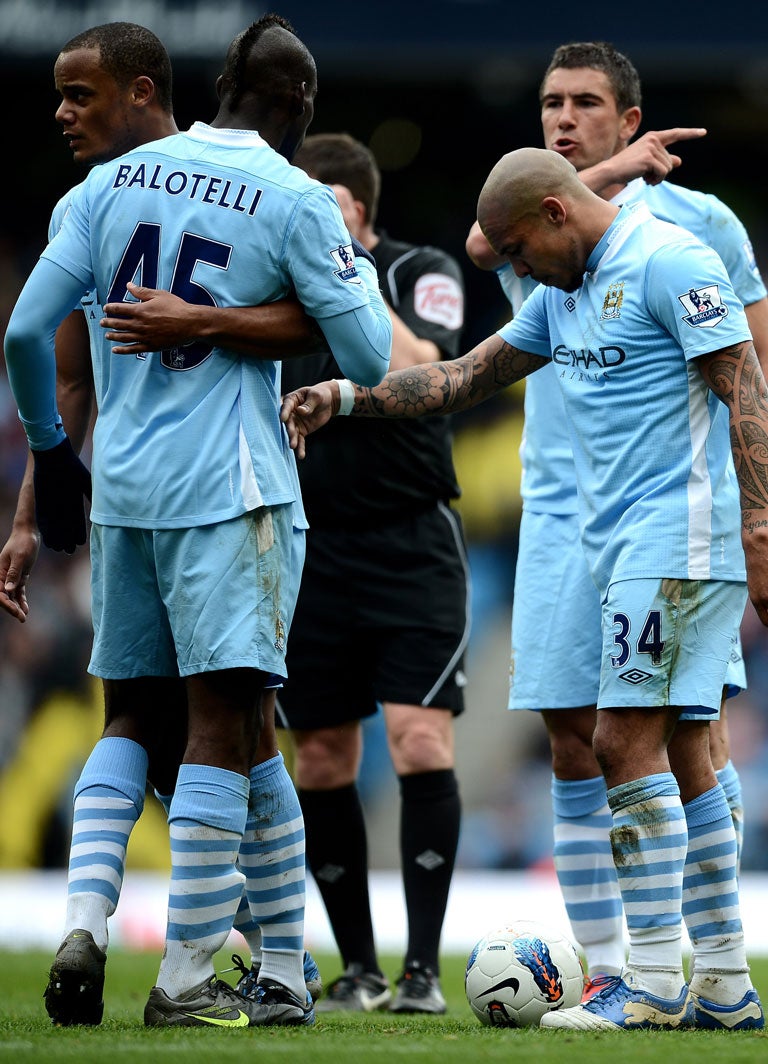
689 293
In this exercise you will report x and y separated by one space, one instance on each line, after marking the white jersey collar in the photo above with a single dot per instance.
240 138
630 193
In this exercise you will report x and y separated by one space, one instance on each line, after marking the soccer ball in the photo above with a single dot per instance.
515 974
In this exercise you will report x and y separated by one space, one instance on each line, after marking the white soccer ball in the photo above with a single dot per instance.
515 974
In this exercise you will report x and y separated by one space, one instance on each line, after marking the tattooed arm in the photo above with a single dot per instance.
431 388
735 376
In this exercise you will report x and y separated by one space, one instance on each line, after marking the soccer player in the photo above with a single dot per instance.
196 504
115 84
590 111
378 502
657 396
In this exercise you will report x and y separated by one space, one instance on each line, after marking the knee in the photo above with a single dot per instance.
571 742
425 744
326 759
573 757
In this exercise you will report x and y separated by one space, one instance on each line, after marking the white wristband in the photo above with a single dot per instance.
347 394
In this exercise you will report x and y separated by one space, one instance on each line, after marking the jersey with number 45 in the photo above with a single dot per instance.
192 435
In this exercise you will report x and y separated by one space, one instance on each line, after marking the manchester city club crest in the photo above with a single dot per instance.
614 297
704 306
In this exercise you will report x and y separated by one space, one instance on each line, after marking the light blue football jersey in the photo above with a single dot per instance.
657 489
548 482
192 435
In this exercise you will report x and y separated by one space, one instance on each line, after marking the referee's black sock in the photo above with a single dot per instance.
430 817
337 855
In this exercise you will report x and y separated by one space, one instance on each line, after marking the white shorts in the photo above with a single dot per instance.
669 643
175 602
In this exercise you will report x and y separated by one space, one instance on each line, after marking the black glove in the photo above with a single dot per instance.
61 480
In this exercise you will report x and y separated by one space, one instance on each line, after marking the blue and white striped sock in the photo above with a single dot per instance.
586 872
206 821
649 841
109 798
728 779
246 925
272 858
711 899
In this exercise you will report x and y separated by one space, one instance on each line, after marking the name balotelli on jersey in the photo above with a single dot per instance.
205 188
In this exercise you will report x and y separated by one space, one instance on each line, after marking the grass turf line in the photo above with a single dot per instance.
26 1032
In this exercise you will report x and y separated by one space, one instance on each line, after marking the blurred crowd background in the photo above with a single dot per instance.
439 91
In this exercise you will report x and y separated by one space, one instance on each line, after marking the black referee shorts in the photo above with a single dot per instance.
382 616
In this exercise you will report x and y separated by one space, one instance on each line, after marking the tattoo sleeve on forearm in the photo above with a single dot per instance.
735 375
445 387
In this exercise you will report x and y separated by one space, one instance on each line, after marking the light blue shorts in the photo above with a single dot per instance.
175 602
556 631
557 621
669 643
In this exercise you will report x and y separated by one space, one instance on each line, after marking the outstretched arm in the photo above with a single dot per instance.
432 388
646 157
160 320
735 376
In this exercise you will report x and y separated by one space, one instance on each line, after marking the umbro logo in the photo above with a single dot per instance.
635 676
330 873
570 304
430 860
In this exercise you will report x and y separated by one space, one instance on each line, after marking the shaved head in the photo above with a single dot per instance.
535 212
519 182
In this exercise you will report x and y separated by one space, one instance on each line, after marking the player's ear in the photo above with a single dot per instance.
360 211
142 91
630 123
553 210
297 97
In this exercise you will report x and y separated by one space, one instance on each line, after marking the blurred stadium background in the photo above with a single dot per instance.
439 90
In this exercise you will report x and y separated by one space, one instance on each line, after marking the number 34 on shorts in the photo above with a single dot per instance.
668 642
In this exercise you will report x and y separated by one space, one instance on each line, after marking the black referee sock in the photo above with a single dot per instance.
337 855
430 817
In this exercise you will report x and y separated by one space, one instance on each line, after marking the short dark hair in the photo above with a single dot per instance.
600 55
286 61
339 159
128 51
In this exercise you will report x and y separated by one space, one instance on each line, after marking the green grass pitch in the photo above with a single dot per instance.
26 1032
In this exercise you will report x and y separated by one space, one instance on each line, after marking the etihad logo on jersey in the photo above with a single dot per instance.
585 358
614 297
704 306
438 298
345 260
